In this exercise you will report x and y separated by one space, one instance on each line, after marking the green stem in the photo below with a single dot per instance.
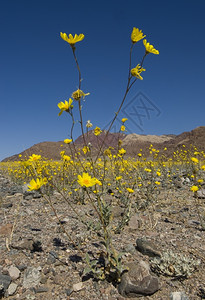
128 87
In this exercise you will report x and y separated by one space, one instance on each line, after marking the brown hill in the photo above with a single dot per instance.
131 142
110 141
134 142
51 150
196 137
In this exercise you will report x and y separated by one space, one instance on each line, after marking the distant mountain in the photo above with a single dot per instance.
51 150
134 142
131 142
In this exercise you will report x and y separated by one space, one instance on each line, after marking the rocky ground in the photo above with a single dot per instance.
39 261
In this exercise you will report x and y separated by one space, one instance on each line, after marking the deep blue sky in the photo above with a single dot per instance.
37 69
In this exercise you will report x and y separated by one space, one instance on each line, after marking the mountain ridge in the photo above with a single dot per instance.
131 142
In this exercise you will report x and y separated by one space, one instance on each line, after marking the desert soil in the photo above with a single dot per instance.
38 241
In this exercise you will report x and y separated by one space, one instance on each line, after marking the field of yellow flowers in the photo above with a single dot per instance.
121 189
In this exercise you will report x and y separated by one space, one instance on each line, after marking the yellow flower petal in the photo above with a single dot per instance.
149 48
72 40
136 35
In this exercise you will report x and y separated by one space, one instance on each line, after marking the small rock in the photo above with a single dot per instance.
12 288
24 245
52 257
14 272
201 194
134 222
41 289
147 248
32 277
138 281
22 267
130 248
68 292
117 211
5 280
77 286
178 296
66 220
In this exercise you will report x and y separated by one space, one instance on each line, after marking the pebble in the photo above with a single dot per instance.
147 248
32 277
41 289
68 292
77 286
14 272
130 248
138 281
12 288
178 296
5 280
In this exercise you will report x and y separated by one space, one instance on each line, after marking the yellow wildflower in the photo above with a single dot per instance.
36 184
122 128
194 188
107 152
158 173
147 170
68 141
136 35
203 167
121 152
149 48
124 120
130 190
86 180
194 159
78 94
137 71
66 158
97 131
157 182
72 40
200 180
86 149
34 157
65 106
